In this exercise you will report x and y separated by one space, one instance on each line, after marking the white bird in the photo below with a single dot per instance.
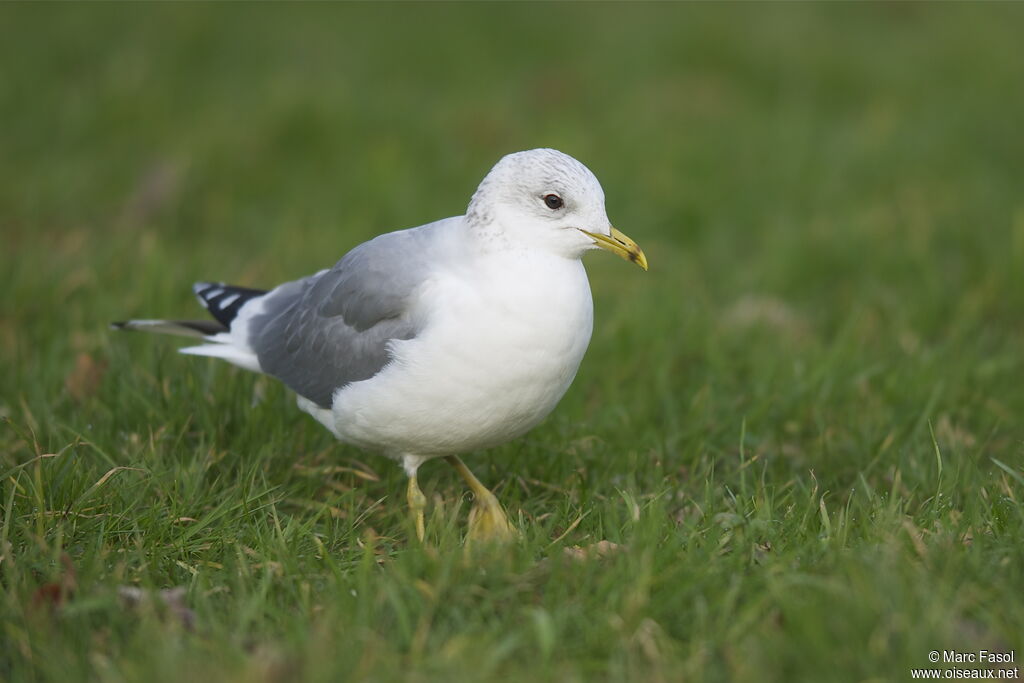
454 336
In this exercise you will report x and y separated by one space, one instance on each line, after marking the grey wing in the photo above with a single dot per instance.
325 331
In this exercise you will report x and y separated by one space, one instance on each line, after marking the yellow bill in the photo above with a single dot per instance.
619 243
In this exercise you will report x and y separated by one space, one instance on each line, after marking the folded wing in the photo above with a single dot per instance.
323 332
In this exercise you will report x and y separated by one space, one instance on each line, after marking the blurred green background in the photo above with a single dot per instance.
804 422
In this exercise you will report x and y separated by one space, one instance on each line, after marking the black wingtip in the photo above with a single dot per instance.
187 328
224 301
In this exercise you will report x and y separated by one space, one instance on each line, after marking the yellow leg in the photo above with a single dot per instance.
487 520
417 503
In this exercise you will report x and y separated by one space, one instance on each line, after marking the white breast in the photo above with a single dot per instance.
501 347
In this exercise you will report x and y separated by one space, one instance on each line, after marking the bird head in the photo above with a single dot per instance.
544 199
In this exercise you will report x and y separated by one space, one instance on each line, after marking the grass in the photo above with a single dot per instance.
803 426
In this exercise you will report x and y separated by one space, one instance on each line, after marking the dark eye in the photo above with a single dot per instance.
553 201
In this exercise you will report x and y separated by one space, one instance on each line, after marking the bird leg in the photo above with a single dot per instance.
487 520
417 503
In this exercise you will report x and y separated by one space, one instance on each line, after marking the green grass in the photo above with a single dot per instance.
804 425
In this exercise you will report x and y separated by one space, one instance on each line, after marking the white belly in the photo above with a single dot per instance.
493 361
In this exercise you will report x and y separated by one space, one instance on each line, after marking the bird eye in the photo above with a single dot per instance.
553 201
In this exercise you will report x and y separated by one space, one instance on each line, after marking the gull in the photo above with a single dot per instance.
435 341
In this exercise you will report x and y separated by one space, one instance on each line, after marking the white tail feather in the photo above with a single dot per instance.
241 357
